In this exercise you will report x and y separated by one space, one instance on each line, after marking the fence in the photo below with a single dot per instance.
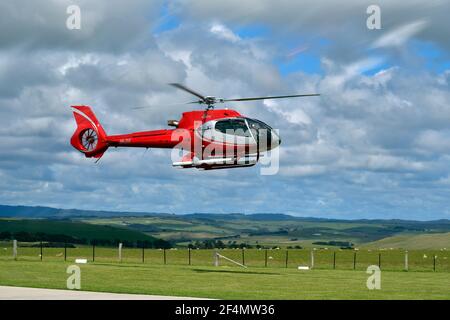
415 260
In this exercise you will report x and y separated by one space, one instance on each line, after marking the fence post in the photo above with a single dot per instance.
216 258
120 252
379 260
143 252
406 260
312 259
15 249
354 260
65 251
265 259
334 260
189 256
165 258
243 256
41 251
434 262
287 256
93 251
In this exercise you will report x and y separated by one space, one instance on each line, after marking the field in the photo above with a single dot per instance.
389 260
226 282
421 241
339 271
266 230
282 230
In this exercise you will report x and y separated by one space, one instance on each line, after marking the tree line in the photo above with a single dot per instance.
54 240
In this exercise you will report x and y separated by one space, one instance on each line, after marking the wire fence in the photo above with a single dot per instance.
398 260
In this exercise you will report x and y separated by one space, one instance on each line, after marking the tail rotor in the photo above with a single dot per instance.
89 137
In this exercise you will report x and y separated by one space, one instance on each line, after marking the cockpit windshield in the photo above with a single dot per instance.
262 132
256 125
245 127
235 126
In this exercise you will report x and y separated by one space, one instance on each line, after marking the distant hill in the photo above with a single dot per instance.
56 213
47 212
71 231
268 229
411 242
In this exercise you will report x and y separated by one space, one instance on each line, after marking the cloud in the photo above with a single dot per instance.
375 139
400 35
343 22
104 24
223 32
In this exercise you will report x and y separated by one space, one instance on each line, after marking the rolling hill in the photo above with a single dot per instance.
266 229
413 242
70 231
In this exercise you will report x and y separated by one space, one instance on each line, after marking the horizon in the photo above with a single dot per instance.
143 213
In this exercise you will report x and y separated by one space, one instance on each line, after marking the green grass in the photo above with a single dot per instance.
408 241
227 282
391 260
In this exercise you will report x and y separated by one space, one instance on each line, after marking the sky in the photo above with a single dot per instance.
376 144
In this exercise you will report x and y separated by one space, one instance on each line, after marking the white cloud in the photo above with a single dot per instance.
400 35
367 144
223 32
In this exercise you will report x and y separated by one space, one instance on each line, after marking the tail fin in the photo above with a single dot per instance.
89 137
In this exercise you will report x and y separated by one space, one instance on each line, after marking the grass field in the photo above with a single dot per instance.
421 241
271 274
391 260
227 282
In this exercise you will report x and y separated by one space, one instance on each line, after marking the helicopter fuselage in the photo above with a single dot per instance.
209 139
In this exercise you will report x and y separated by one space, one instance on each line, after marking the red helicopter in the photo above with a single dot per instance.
209 139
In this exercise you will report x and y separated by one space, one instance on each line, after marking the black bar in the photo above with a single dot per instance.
243 256
265 261
379 260
65 251
165 259
41 251
93 252
166 309
334 260
189 256
354 260
287 255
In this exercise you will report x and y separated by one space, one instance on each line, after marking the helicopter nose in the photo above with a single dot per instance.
276 140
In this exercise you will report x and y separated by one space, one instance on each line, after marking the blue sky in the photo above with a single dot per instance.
376 144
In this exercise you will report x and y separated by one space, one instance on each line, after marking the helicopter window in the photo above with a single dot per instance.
234 126
256 124
260 130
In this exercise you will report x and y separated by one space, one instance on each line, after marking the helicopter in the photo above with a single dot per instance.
208 139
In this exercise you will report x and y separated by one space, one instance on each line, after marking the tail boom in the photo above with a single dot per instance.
91 139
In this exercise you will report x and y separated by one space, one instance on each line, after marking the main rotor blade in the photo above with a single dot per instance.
271 97
166 105
184 88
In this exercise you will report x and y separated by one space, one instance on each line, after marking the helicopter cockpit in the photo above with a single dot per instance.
241 129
